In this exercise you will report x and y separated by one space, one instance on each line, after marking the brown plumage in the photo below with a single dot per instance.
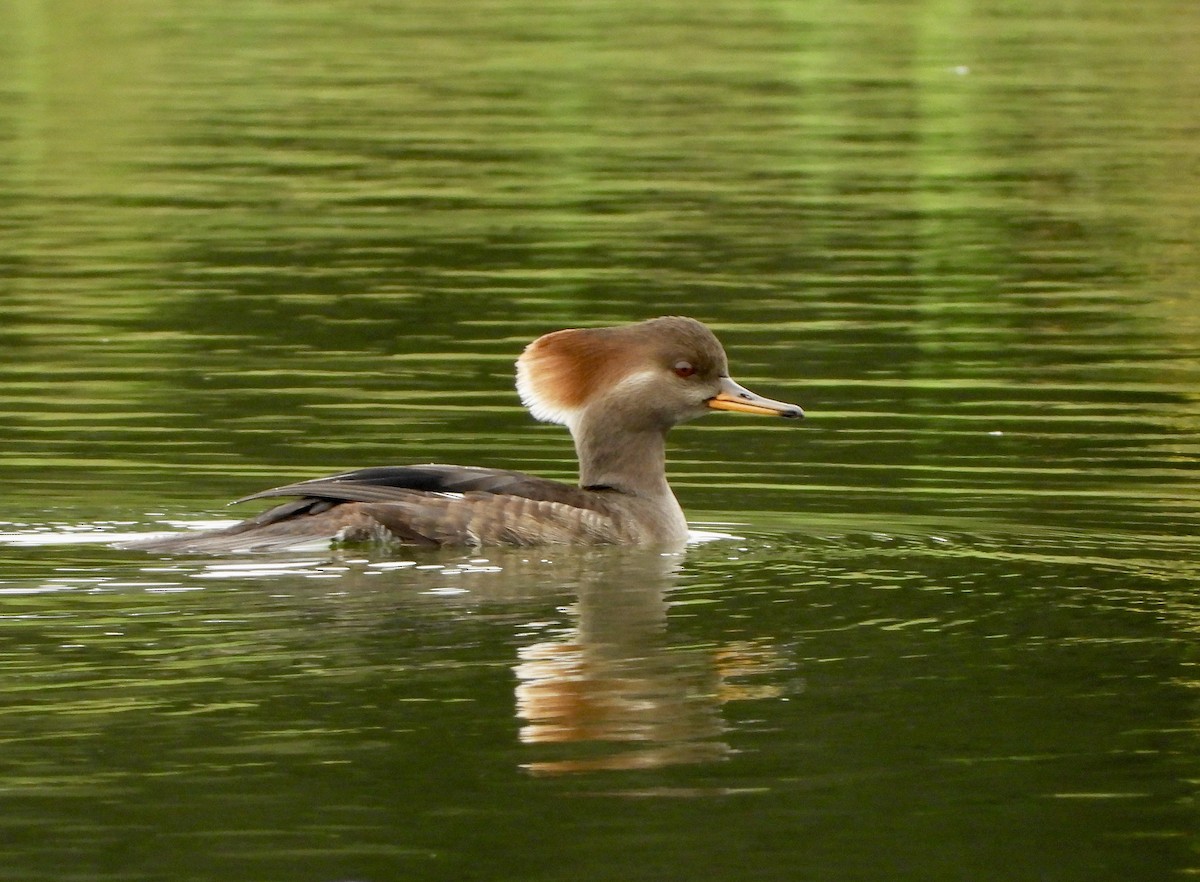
619 390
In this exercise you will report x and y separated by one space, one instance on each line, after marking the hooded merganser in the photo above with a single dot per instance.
618 390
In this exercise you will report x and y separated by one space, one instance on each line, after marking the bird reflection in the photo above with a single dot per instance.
607 690
612 693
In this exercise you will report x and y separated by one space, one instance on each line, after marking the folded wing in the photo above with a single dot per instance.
426 505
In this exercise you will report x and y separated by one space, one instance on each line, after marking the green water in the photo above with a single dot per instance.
945 629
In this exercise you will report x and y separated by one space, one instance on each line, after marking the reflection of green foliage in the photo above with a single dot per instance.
257 226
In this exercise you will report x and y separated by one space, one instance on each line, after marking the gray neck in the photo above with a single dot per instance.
633 462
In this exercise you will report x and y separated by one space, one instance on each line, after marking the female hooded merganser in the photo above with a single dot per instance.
618 390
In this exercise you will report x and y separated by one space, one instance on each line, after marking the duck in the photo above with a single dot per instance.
618 391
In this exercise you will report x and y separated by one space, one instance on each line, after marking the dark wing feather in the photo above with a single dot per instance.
415 505
396 483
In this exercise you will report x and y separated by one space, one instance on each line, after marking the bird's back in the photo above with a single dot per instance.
426 505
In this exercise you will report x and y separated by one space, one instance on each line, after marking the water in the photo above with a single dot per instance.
944 629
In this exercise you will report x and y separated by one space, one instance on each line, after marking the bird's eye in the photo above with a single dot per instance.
684 369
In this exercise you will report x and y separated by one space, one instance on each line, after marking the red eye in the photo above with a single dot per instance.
684 369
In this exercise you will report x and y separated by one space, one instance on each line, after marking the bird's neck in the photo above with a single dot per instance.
631 460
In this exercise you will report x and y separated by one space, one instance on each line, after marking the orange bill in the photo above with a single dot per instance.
735 397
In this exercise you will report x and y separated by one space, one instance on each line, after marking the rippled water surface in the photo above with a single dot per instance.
946 628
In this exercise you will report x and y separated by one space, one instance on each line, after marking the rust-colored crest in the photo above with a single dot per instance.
558 373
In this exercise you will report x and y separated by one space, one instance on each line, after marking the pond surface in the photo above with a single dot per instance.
946 628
